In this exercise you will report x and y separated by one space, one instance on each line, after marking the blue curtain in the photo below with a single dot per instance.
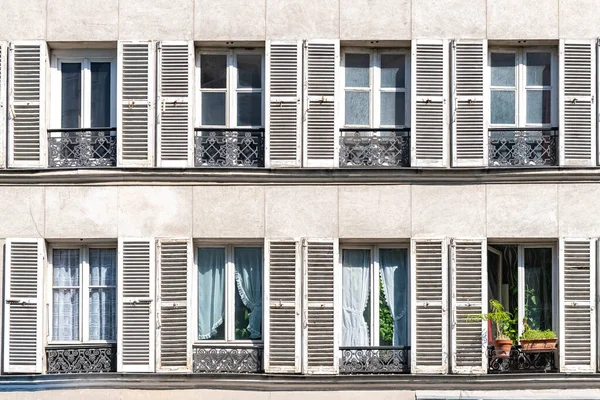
393 269
248 276
211 291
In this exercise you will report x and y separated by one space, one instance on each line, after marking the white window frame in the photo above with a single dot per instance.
231 90
521 85
375 88
230 288
84 287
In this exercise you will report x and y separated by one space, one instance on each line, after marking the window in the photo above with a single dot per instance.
376 88
84 295
375 296
229 288
231 88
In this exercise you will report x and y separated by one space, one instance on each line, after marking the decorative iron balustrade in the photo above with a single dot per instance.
375 360
523 147
521 361
237 359
82 147
81 359
225 147
375 147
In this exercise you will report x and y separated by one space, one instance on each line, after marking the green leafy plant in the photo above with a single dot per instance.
537 334
503 321
386 322
531 308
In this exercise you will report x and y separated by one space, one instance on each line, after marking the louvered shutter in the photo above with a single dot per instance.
429 288
284 111
175 129
174 347
282 279
577 112
321 59
319 333
136 319
3 98
469 296
23 306
469 113
26 109
577 282
135 103
429 136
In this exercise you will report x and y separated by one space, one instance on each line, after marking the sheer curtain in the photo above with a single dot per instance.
355 296
393 269
103 299
248 276
211 291
65 294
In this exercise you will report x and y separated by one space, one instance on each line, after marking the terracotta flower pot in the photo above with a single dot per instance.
502 347
538 345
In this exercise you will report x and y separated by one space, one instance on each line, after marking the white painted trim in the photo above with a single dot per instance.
3 102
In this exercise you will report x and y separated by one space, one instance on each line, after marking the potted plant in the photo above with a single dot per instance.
538 340
505 331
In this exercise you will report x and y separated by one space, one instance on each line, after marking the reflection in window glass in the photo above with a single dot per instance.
503 69
538 287
100 107
357 70
393 108
249 109
538 106
213 71
392 70
213 108
71 95
249 67
539 69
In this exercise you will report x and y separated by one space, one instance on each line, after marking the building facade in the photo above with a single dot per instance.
318 194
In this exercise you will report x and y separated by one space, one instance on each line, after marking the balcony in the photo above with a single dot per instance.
521 361
82 147
523 147
238 359
229 147
385 147
93 358
375 360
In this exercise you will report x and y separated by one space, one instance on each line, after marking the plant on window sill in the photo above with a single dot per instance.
505 327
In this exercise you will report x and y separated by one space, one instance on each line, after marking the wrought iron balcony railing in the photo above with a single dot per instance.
375 360
521 361
238 359
229 147
82 147
523 147
385 147
94 358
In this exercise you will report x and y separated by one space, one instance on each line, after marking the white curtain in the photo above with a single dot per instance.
393 269
103 299
65 294
211 291
248 276
355 284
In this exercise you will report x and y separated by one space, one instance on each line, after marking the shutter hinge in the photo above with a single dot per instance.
304 243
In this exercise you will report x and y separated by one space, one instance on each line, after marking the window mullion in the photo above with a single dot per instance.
229 296
375 72
85 295
86 96
375 291
231 111
521 289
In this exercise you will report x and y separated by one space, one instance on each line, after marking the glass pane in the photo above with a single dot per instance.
503 107
539 69
103 267
357 70
65 267
213 109
393 297
211 293
65 314
249 110
393 109
249 71
392 70
503 69
213 73
71 95
100 115
356 306
357 108
538 288
103 314
248 294
539 106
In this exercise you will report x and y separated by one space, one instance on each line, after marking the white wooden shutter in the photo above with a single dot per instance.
319 334
173 285
469 296
136 319
175 128
577 296
3 98
469 110
321 60
24 304
577 109
429 136
282 301
284 111
135 103
26 108
429 301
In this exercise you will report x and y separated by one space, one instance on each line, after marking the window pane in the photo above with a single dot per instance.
357 70
503 107
393 297
503 69
211 293
213 73
100 115
71 95
539 69
392 70
249 71
538 288
392 109
356 309
103 314
65 264
103 267
248 295
357 108
65 318
213 109
249 110
538 106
